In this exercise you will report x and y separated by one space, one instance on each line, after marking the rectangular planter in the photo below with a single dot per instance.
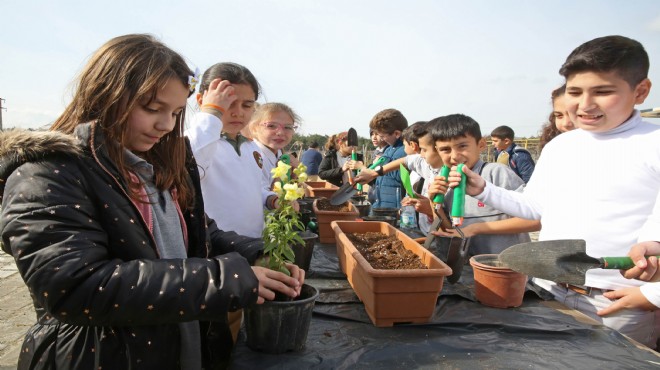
319 189
390 296
323 219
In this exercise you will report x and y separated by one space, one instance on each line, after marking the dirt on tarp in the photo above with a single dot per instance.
323 204
385 252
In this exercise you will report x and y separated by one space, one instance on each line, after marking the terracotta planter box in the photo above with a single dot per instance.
319 189
323 219
390 296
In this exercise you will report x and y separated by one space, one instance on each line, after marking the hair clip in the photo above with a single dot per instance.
193 80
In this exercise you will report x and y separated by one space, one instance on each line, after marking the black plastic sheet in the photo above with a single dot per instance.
462 334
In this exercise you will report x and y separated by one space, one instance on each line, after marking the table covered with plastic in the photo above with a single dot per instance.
462 334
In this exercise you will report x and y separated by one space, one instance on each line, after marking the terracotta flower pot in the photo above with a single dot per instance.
390 296
323 219
319 189
495 285
278 327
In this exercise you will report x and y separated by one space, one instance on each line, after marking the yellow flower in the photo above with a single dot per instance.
302 177
281 171
277 187
293 192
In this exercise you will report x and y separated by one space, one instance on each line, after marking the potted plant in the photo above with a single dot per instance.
390 296
281 325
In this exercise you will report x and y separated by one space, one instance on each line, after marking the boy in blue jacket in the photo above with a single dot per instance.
510 154
389 124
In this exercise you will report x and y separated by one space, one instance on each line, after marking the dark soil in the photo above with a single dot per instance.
385 252
323 204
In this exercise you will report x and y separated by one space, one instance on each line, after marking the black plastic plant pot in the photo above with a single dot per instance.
278 327
305 251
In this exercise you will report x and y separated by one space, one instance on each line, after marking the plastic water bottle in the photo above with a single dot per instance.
408 217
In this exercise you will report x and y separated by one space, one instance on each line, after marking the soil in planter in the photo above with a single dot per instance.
385 252
323 204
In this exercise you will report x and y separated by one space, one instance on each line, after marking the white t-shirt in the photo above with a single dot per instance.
600 187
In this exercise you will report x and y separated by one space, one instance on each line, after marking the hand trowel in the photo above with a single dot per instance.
562 261
347 189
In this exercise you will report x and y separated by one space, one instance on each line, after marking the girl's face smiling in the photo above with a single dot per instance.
276 131
148 122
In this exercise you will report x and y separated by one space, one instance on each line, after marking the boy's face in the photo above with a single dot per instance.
390 139
601 101
500 144
466 150
410 147
428 152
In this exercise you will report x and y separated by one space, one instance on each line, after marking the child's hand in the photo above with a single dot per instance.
293 161
295 205
298 274
271 281
626 298
438 186
220 93
645 269
475 183
421 203
467 231
355 165
365 176
346 166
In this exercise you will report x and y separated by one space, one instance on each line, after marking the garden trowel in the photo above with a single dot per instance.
562 261
352 141
348 189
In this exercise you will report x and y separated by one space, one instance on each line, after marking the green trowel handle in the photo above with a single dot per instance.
378 162
440 198
618 263
458 205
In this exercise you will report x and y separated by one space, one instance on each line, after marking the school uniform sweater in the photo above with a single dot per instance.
232 183
600 187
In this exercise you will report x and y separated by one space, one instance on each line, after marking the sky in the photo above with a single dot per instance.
336 63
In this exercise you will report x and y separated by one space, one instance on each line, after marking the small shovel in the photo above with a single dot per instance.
352 140
347 190
405 180
562 261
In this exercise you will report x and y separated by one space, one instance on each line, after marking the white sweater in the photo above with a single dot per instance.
600 187
232 185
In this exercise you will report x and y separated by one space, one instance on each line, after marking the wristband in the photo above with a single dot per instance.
216 107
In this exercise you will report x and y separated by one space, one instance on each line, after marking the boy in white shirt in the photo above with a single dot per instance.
599 183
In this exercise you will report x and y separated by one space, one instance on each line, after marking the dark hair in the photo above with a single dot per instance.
314 145
125 72
503 132
549 131
388 121
413 132
625 56
453 126
232 72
